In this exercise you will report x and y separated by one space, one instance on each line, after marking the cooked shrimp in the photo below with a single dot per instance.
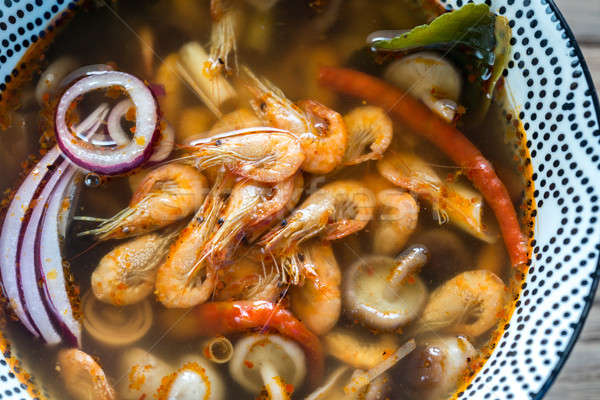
263 154
166 195
360 349
223 34
336 210
83 377
248 279
126 275
176 285
368 127
318 302
250 203
396 220
321 130
451 202
468 304
239 119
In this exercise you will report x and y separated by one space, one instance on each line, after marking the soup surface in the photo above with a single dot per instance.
262 199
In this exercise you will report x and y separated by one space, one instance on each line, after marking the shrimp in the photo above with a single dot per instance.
263 154
250 203
451 202
235 120
468 304
336 210
318 302
367 126
248 279
321 130
176 286
396 220
126 275
83 377
223 34
166 195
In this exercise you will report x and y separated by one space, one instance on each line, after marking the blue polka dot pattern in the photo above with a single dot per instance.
559 109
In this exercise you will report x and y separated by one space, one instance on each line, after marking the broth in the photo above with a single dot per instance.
286 44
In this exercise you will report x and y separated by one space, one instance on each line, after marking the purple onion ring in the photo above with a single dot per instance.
114 160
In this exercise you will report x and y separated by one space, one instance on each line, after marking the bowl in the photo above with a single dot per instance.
551 86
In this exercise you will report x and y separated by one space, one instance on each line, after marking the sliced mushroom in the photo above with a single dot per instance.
430 78
384 293
52 76
468 304
83 377
317 303
218 350
396 220
333 389
372 384
360 350
270 361
432 371
116 326
143 374
195 379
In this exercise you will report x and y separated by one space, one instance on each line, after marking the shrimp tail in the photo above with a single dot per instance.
223 36
298 229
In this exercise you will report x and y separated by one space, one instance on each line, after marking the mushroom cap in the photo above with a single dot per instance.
116 326
433 369
196 379
365 285
358 349
253 351
426 73
83 377
143 372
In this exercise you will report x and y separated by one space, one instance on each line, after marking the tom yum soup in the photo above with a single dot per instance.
262 199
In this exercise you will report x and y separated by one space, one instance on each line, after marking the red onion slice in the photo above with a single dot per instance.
92 122
115 160
28 282
48 261
86 70
12 231
165 145
115 130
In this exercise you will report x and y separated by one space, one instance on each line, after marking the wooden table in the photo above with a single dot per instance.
580 377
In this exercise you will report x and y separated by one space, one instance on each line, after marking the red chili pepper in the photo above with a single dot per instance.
222 318
447 138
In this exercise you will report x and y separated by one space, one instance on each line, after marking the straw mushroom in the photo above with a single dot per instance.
359 349
83 377
468 304
270 361
433 369
448 255
116 326
195 379
371 384
51 77
144 373
383 293
430 78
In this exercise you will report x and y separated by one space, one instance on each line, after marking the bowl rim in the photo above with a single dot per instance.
596 276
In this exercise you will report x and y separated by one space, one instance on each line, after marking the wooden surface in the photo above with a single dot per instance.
580 377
